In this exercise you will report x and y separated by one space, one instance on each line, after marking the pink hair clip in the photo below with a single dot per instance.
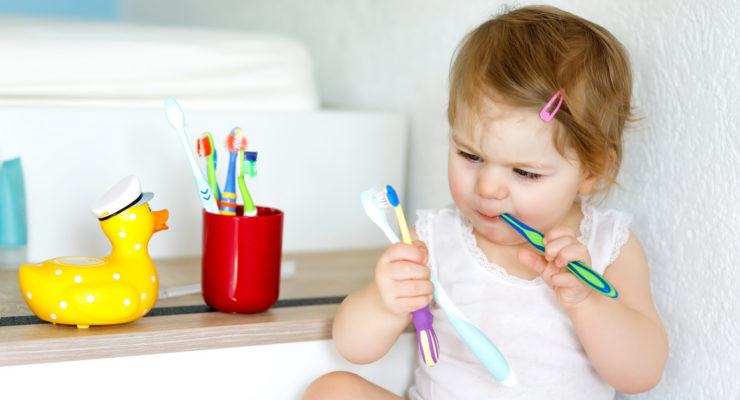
547 117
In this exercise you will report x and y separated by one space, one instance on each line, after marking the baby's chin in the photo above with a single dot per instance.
496 232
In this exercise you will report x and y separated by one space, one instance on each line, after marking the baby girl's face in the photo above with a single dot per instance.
505 162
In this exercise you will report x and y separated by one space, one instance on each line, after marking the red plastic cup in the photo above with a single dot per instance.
241 260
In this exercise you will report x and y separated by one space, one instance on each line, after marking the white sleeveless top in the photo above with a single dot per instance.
522 317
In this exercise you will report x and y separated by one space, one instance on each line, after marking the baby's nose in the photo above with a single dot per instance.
491 185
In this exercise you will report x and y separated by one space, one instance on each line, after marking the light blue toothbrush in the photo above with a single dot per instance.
484 350
176 118
577 268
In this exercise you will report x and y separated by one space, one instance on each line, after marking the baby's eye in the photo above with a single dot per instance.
471 157
527 174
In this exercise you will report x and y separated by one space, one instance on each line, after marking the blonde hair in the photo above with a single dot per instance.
522 57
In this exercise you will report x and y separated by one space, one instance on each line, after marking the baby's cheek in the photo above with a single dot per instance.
543 212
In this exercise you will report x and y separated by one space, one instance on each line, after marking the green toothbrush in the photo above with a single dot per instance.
246 163
577 268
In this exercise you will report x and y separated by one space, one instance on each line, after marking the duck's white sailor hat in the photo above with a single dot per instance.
126 193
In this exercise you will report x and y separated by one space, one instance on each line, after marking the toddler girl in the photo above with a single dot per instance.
538 102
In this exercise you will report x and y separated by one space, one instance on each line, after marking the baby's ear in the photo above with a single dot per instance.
592 179
588 184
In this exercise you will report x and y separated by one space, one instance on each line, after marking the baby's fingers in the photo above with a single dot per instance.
532 260
403 270
400 251
414 288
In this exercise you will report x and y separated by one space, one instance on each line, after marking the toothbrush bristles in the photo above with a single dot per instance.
236 142
379 198
204 146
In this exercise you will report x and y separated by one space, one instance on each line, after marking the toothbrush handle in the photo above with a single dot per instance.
582 271
426 337
485 351
249 209
227 203
592 278
211 168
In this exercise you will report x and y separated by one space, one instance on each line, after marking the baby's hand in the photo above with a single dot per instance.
403 278
561 247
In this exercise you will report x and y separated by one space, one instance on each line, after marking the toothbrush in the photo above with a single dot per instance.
485 351
207 150
176 118
235 142
425 335
247 166
367 198
577 268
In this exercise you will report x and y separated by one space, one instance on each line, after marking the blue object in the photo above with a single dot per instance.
13 230
392 196
577 268
87 9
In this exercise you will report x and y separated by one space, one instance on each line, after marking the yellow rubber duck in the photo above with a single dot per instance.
120 288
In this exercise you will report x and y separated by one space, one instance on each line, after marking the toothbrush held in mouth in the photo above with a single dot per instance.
425 335
246 166
176 118
577 268
235 143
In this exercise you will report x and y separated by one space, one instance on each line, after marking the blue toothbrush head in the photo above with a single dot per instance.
390 193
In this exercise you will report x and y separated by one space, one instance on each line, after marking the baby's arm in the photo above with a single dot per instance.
624 337
370 320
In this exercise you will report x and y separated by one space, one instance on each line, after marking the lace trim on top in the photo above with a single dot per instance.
621 236
471 244
621 230
422 231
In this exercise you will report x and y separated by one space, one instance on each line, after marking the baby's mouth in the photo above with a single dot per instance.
491 218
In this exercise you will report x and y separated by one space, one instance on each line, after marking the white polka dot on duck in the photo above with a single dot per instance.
78 279
137 246
63 305
122 234
116 276
143 296
154 279
90 298
144 312
58 272
132 216
53 316
28 294
127 302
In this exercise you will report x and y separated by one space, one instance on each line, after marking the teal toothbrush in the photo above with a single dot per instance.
577 268
246 166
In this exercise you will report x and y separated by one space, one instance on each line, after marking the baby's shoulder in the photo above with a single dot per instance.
604 231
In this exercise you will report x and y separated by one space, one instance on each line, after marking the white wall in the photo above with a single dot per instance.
680 173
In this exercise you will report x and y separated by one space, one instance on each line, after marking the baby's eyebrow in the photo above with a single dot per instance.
459 142
526 164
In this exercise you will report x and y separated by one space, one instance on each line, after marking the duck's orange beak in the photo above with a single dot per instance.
160 217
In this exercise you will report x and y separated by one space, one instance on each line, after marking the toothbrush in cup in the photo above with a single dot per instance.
425 335
207 150
235 143
582 271
176 118
246 166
